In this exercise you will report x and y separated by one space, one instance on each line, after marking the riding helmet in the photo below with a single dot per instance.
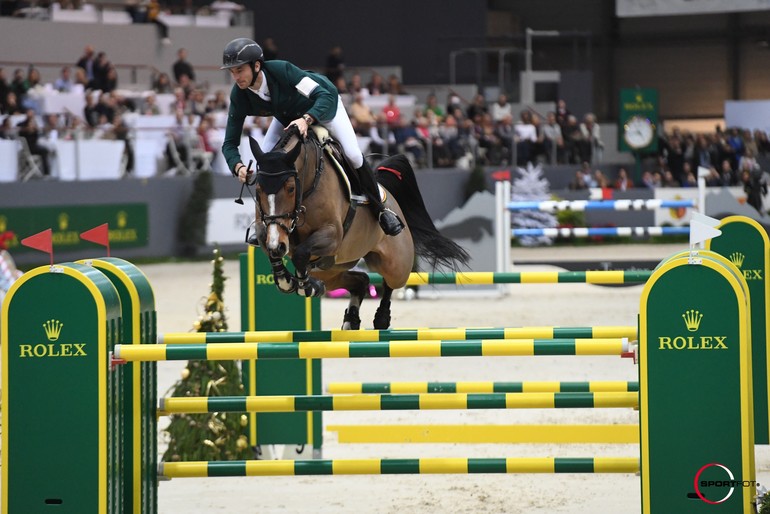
241 51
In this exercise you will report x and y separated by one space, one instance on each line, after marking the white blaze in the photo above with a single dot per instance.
272 229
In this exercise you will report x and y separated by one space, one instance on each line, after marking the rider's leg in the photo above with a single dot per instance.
388 219
342 130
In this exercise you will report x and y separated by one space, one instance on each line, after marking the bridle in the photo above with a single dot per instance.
288 221
292 217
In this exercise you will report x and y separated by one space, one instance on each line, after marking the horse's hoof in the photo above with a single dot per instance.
311 288
351 321
287 286
381 320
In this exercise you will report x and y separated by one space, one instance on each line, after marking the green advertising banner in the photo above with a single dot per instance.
128 224
638 120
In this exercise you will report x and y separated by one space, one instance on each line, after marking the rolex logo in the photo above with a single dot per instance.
52 329
737 259
692 319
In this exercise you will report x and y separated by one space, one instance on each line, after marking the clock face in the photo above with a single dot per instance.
638 132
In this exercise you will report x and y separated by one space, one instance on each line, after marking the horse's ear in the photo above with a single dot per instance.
292 154
255 149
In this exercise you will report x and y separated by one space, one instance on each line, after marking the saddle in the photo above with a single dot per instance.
347 175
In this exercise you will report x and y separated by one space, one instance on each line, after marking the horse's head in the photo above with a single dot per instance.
278 196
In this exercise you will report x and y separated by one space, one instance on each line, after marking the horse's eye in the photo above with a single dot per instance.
290 189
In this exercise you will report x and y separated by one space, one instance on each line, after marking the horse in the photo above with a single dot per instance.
305 210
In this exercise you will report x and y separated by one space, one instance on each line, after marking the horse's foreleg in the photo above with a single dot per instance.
284 280
321 243
382 316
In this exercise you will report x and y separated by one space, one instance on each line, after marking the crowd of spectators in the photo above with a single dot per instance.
439 133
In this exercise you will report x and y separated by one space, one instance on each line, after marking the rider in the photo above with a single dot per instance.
293 97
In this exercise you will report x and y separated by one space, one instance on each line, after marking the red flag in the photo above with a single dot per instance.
99 235
42 241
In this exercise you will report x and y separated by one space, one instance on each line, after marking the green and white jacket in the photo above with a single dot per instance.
293 92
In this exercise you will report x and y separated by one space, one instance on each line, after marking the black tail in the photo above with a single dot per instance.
397 176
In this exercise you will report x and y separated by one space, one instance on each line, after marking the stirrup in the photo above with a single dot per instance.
390 223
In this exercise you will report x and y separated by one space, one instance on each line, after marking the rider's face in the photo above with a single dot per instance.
242 75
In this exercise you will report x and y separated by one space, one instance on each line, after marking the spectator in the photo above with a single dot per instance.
501 108
270 49
64 83
549 135
648 180
579 182
335 64
107 106
689 179
755 186
591 144
80 82
748 161
110 83
90 113
506 134
4 89
33 79
150 107
221 102
526 136
86 62
409 143
10 104
341 85
7 130
669 180
161 83
362 115
182 66
454 103
392 113
153 16
760 137
675 158
477 108
705 153
356 86
600 178
713 179
101 67
196 104
623 182
562 113
431 104
19 85
490 141
30 131
376 86
394 86
573 139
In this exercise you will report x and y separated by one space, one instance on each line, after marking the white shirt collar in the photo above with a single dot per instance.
263 92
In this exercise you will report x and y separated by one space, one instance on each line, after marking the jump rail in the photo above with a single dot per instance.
383 402
480 387
599 205
383 349
397 466
526 277
601 231
422 334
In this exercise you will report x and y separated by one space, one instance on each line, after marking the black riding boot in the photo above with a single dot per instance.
389 221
